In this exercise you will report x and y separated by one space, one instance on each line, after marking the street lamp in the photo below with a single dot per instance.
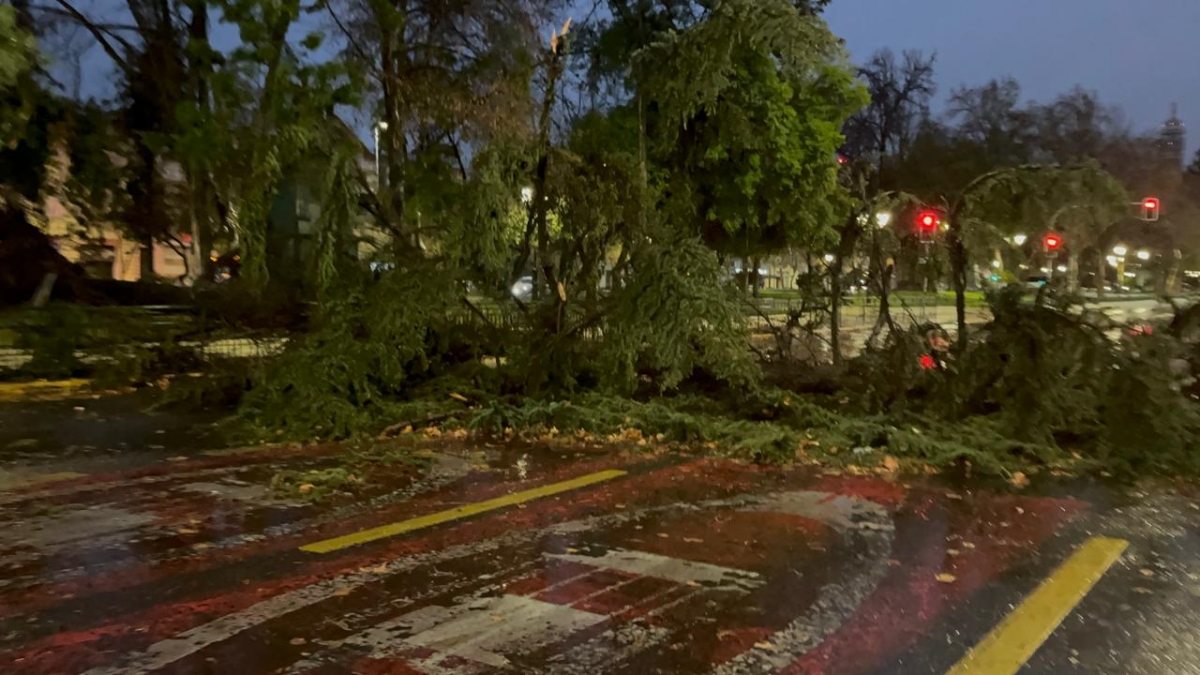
1120 250
1143 255
1019 239
379 126
882 219
828 258
526 195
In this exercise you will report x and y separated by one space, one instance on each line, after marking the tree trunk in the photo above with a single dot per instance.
847 239
1101 274
958 269
757 280
205 198
27 256
1073 272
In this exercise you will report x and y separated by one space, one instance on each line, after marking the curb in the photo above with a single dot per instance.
41 389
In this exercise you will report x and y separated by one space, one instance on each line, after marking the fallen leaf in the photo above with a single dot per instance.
692 582
967 544
951 551
1019 480
946 578
187 530
891 464
459 397
664 535
1147 572
343 592
693 540
496 617
297 641
306 488
201 546
764 645
180 458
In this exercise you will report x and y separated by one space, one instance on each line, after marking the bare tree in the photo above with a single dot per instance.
900 92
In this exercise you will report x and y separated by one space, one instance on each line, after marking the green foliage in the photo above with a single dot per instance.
1038 380
353 472
372 344
751 100
673 317
763 425
18 56
1145 423
54 336
136 363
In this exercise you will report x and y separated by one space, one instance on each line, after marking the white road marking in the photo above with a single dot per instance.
189 642
484 631
168 651
671 569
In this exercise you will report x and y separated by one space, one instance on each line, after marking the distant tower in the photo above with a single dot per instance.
1172 139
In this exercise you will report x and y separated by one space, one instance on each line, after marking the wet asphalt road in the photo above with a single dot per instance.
130 546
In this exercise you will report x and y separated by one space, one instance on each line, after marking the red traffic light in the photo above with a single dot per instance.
927 222
1052 242
1150 207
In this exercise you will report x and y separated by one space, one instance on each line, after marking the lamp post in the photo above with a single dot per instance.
1120 250
379 126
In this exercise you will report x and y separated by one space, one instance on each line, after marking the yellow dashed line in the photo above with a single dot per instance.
457 513
1022 632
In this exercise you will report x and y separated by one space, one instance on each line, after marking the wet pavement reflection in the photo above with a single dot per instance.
564 558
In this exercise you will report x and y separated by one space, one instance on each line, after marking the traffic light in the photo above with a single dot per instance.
927 222
1150 207
1052 242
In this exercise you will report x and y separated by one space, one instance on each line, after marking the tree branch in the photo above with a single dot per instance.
100 34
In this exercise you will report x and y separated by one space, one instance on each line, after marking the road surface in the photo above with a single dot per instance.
171 557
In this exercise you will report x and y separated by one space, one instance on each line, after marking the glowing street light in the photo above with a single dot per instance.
1143 255
828 257
379 126
1120 250
882 219
1019 239
526 195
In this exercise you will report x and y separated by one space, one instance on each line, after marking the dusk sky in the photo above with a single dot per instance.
1137 54
1140 55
